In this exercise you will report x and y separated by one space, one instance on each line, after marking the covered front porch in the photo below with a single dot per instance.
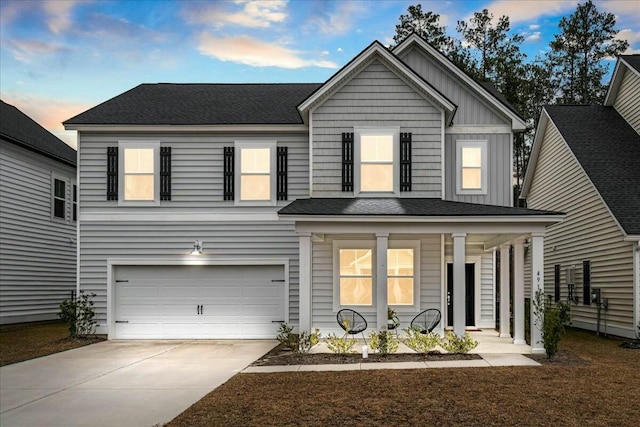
348 259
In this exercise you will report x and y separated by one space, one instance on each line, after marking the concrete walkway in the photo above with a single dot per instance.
119 383
488 360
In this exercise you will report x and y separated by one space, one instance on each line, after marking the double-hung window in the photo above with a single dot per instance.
139 183
59 199
74 202
403 274
471 167
377 156
256 163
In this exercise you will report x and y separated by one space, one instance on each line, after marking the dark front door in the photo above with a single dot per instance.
470 280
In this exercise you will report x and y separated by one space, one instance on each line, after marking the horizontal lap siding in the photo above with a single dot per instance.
498 174
471 109
324 315
196 170
376 97
237 240
37 253
587 233
628 100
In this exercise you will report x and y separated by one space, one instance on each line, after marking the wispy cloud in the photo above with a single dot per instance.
536 36
59 12
529 10
26 50
633 38
340 20
534 27
244 13
250 51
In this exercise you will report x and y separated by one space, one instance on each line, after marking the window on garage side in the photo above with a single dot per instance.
59 199
255 174
356 276
139 174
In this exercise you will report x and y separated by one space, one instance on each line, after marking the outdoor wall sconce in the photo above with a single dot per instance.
197 248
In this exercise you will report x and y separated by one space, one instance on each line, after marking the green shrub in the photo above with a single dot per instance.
419 342
384 342
286 337
340 345
79 314
551 319
454 344
307 340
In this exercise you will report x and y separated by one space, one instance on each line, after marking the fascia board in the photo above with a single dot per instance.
535 152
517 124
301 128
622 66
486 219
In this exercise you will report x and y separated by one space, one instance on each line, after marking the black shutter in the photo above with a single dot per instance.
228 173
556 282
586 282
165 173
405 161
347 161
282 173
112 173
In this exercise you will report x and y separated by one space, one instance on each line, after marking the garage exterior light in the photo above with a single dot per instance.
197 248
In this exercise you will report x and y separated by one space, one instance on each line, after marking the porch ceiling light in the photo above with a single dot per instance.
197 248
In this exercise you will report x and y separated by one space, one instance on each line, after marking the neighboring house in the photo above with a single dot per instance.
586 162
377 188
38 208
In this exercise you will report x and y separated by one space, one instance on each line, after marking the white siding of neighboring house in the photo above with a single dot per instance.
627 101
376 97
588 232
324 315
37 252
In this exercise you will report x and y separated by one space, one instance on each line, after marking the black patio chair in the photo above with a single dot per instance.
426 321
352 322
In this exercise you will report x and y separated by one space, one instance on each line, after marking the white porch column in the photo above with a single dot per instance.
459 288
305 281
537 284
518 292
505 292
382 245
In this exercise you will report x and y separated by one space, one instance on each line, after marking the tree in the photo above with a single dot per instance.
424 24
587 38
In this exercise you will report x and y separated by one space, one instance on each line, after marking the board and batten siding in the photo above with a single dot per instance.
472 110
376 97
174 240
588 232
37 251
499 169
196 170
324 315
627 102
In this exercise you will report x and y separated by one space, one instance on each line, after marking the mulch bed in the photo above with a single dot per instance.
280 356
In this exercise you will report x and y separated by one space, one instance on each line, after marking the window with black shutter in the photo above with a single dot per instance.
405 161
586 282
282 173
228 173
347 161
165 173
112 173
556 282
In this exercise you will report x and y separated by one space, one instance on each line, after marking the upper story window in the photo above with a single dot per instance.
471 167
74 203
59 199
377 160
139 177
256 172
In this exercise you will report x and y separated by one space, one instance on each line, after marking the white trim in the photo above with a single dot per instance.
298 128
636 285
442 157
185 260
485 219
358 132
511 169
142 144
443 286
376 49
354 244
311 152
78 219
518 124
68 196
475 129
461 144
255 144
616 80
162 216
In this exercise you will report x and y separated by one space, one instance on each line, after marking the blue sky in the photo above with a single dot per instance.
61 57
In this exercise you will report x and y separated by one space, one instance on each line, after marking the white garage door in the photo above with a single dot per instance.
177 302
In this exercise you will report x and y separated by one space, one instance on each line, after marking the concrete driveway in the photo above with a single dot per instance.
120 383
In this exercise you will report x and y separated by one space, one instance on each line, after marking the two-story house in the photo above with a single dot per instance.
38 210
389 185
585 161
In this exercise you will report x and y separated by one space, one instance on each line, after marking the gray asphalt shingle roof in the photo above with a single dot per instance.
201 104
608 149
17 127
399 207
632 60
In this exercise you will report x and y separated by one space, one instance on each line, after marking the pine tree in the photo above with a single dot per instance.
424 24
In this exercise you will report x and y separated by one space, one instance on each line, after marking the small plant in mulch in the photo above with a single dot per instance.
384 342
419 342
340 345
550 318
299 343
454 344
634 344
306 340
78 314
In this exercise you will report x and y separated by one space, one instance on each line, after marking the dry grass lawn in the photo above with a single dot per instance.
604 391
30 340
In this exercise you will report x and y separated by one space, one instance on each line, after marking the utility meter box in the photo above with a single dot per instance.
595 296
